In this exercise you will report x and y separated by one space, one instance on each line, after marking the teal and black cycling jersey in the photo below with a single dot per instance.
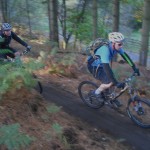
106 54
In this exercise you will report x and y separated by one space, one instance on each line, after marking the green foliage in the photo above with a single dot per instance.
53 109
58 64
59 131
36 10
4 51
53 52
12 138
137 13
1 39
34 65
83 29
57 128
68 60
14 78
14 75
65 142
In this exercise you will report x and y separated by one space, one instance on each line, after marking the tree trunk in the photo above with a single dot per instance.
79 18
94 10
1 16
53 23
116 13
4 9
145 34
116 8
62 20
28 15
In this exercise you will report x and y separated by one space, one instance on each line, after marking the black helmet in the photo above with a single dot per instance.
6 26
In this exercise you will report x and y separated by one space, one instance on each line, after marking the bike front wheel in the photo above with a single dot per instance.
139 111
38 86
84 90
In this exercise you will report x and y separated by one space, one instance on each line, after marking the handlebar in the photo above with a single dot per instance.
131 77
127 84
127 81
13 59
25 51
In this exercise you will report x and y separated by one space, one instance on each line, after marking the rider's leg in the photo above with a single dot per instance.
15 52
103 87
105 82
12 52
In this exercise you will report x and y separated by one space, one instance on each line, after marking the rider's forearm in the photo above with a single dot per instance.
19 40
126 57
109 73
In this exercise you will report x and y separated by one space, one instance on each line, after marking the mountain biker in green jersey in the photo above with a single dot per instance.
104 72
6 35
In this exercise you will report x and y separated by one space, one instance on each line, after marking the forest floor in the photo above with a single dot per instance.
59 130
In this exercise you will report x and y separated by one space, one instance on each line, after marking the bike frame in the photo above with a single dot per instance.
128 86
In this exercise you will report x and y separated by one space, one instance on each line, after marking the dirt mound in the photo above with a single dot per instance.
52 131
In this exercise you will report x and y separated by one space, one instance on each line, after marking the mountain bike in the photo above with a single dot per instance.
38 86
138 108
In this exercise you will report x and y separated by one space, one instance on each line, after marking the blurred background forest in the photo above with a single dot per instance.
71 24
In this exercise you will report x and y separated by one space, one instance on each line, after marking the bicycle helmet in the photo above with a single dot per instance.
115 37
6 26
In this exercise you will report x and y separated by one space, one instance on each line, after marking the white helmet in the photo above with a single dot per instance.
115 37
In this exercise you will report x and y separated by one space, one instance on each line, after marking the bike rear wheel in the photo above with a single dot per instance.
139 112
84 90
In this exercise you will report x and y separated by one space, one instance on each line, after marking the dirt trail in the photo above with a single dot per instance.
107 119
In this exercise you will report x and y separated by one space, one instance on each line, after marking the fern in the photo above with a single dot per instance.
12 138
34 64
65 142
17 74
53 109
18 77
57 128
59 131
4 51
68 60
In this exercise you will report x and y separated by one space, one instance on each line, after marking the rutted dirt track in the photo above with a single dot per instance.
106 119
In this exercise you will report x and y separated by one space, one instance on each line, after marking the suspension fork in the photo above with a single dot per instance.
135 103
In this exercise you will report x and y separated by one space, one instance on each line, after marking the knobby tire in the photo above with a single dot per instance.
38 87
84 89
140 116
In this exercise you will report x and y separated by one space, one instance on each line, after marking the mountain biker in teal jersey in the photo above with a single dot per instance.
102 67
6 35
